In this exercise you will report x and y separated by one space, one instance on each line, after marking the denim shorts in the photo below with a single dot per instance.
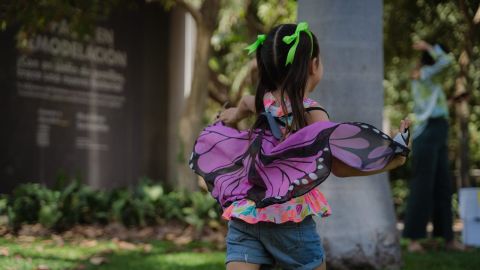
288 245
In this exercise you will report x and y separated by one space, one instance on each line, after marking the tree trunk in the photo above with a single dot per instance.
361 233
191 120
462 112
462 87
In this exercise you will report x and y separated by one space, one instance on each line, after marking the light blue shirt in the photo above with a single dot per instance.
429 97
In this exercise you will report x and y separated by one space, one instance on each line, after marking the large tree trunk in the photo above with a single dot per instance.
191 120
462 88
462 112
361 232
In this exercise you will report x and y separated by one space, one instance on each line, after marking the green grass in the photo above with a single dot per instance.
165 256
437 258
162 256
25 255
442 260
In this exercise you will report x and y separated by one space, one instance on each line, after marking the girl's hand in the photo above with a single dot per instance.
229 116
404 125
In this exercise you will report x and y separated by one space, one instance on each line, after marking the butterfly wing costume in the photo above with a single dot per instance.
258 166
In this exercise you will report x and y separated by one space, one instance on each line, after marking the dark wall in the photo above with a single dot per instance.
96 110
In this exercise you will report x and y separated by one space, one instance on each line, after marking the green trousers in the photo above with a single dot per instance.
431 185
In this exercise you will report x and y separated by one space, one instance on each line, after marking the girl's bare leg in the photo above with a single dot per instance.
242 266
322 267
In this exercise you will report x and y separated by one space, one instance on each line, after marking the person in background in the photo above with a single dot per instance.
431 185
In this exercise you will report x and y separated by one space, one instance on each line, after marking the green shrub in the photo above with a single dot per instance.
80 204
137 207
202 211
32 203
77 203
3 204
170 206
400 193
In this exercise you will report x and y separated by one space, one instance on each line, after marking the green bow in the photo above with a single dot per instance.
253 47
303 26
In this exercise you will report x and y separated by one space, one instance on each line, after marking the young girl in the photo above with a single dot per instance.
265 178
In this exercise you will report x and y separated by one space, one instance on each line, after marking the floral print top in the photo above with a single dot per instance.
296 209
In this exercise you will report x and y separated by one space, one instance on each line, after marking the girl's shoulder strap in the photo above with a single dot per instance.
311 105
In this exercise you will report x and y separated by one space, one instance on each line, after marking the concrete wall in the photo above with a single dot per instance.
96 110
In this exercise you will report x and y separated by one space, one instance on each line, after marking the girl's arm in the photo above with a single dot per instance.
245 107
340 169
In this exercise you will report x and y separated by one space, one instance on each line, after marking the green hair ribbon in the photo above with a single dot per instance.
301 27
253 47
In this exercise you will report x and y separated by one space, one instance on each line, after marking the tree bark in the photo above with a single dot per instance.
462 112
191 120
361 232
462 87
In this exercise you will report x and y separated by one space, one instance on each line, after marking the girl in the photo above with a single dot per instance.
265 178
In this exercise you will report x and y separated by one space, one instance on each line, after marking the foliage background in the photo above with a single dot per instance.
436 22
232 72
405 21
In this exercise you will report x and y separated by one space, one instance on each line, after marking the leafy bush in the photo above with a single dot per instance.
400 193
80 204
3 204
171 205
202 211
31 203
132 208
76 203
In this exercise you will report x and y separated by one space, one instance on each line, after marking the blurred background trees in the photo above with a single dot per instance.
224 72
456 25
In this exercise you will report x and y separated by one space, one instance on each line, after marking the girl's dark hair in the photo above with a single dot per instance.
291 79
427 59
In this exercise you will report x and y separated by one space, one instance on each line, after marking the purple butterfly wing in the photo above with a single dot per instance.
363 146
237 165
220 157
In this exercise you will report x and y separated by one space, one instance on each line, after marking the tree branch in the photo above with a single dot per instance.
252 66
209 13
217 90
253 22
470 33
476 18
197 16
215 94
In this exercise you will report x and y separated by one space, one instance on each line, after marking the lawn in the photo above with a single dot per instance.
50 254
38 254
29 253
442 260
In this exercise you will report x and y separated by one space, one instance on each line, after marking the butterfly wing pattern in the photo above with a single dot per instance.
241 164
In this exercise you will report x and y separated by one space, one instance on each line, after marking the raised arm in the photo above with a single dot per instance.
442 59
